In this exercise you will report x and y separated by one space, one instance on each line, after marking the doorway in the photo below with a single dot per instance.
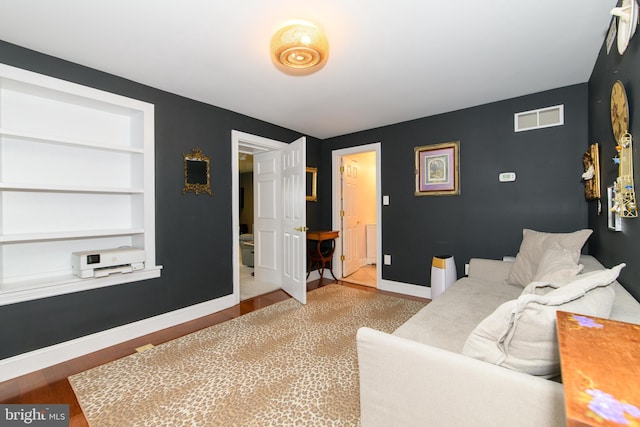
357 212
250 286
280 214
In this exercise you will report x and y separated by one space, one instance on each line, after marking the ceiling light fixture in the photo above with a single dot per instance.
299 48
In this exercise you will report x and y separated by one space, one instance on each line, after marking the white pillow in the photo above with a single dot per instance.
558 266
535 244
521 334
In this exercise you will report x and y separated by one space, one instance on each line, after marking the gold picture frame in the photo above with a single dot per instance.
197 172
591 175
311 183
437 169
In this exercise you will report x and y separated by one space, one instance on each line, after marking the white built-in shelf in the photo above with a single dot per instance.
54 139
48 188
76 174
11 293
67 235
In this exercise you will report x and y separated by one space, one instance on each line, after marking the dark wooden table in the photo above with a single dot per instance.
600 362
321 255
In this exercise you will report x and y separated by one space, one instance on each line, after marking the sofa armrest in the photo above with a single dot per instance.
489 269
406 383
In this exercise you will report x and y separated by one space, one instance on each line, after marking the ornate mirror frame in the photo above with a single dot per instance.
311 183
197 172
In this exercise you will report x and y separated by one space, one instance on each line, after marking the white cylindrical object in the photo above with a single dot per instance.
443 274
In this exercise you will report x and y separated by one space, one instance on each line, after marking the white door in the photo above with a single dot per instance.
267 216
350 224
294 220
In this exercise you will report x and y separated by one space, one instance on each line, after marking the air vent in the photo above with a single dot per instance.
538 119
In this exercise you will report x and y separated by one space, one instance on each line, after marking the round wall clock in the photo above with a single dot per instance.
619 110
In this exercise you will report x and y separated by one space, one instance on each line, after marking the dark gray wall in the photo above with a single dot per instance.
612 247
314 209
487 219
193 233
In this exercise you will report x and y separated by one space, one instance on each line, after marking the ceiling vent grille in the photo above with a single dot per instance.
538 119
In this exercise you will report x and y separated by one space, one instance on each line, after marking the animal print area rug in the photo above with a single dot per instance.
283 365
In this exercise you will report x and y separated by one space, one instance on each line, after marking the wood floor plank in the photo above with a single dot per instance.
50 385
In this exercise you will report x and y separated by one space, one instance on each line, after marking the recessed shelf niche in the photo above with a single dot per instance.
76 174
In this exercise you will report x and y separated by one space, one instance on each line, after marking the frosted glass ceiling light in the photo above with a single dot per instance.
299 48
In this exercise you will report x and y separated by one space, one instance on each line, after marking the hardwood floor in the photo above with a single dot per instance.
50 385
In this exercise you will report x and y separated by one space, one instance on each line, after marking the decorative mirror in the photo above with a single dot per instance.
196 172
312 184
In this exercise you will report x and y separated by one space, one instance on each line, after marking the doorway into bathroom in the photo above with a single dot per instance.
356 184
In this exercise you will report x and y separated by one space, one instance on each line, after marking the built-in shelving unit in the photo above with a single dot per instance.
76 174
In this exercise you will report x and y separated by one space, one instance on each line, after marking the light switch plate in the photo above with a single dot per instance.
387 260
385 200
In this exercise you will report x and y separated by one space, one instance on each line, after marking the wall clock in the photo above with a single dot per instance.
619 110
627 15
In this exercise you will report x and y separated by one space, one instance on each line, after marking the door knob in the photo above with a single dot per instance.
302 229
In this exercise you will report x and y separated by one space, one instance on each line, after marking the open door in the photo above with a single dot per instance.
350 224
267 216
280 214
294 220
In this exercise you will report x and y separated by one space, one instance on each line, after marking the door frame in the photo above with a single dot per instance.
336 155
242 142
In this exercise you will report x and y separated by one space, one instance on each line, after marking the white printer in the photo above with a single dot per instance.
103 262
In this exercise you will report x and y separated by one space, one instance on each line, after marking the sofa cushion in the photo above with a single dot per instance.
533 247
521 334
447 321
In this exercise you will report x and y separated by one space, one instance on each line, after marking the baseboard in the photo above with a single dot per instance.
405 288
25 363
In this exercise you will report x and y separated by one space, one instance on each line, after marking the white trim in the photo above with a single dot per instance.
25 363
335 214
404 288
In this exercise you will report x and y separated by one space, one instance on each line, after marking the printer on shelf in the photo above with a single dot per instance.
103 262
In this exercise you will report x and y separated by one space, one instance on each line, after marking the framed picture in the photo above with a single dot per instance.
438 169
591 175
312 184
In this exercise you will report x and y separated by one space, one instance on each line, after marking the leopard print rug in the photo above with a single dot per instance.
283 365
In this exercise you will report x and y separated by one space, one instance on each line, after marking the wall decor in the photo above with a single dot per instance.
438 169
625 196
627 15
613 218
591 175
311 178
197 172
619 106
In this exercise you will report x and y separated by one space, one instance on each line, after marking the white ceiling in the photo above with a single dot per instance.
389 61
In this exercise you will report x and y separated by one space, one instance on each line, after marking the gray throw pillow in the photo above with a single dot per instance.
535 244
557 266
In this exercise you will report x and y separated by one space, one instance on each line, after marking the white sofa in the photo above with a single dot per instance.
418 376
